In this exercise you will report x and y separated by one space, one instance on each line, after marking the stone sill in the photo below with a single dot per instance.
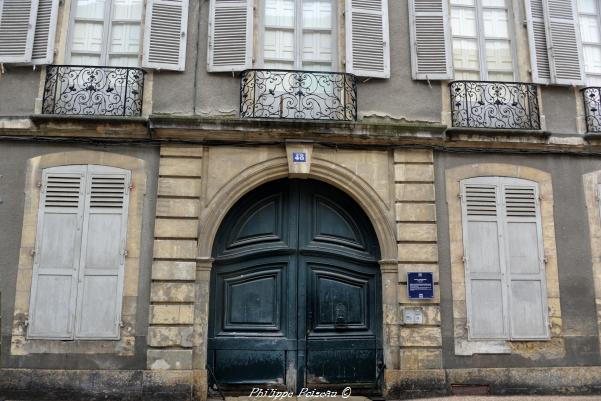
453 132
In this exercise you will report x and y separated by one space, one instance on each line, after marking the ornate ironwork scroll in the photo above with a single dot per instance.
592 109
501 105
298 95
99 91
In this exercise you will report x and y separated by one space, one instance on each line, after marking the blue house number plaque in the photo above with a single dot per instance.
299 157
420 285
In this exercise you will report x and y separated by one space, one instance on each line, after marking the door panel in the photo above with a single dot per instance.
295 291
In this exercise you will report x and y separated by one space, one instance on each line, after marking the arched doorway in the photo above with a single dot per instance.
295 291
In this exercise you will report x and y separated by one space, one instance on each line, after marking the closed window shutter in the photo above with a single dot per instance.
56 260
484 262
165 34
555 51
45 30
525 261
230 45
17 26
367 42
430 39
103 253
565 46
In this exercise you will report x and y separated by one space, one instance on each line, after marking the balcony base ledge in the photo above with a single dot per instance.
87 118
453 133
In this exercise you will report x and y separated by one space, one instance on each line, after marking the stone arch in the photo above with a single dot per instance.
380 215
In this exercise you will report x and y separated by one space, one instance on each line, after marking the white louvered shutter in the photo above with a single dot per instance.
430 39
165 33
17 26
230 45
367 42
45 30
555 50
484 263
103 253
537 39
566 50
525 261
56 260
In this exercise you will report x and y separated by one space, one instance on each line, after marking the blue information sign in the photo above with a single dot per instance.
420 285
299 157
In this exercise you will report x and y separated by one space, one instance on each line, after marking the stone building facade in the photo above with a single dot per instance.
143 153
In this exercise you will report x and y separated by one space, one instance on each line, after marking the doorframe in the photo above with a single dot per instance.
380 213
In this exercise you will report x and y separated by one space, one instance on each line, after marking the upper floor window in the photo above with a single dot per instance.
79 261
590 34
505 289
481 40
475 40
106 32
299 34
101 32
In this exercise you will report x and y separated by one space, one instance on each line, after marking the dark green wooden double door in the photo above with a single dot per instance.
295 291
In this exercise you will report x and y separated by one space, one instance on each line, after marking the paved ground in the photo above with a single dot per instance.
516 398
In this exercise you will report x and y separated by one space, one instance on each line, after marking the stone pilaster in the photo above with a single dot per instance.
173 290
420 345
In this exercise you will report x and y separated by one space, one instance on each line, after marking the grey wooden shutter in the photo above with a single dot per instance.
17 26
555 51
103 253
430 39
367 42
230 45
45 30
165 33
56 260
566 51
484 263
525 260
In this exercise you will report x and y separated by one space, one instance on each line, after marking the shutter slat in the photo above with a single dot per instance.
17 29
230 35
368 49
165 34
430 41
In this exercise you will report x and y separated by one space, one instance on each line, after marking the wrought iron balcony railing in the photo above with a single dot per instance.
592 109
500 105
98 91
305 95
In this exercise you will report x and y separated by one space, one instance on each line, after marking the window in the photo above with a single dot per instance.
106 32
299 35
590 34
481 40
79 260
504 263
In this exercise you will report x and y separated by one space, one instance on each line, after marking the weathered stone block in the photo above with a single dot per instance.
415 359
417 336
182 151
413 156
418 252
180 166
415 212
175 249
175 228
415 192
169 359
174 271
416 232
172 292
179 187
160 336
414 173
167 207
171 314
